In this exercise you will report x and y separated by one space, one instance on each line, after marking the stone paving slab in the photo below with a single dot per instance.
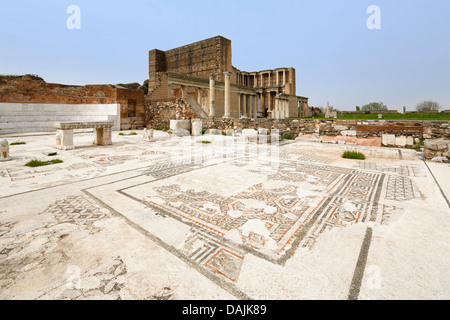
178 219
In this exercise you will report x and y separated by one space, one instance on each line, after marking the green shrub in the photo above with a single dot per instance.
38 163
128 134
204 141
161 128
354 155
17 143
287 136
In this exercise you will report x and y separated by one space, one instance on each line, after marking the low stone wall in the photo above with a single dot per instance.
351 128
437 150
159 114
36 117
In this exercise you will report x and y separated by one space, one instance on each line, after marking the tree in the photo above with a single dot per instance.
374 106
358 108
428 105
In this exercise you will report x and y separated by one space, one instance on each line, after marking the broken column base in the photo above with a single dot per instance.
64 139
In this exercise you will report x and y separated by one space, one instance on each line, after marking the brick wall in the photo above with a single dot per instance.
199 59
33 89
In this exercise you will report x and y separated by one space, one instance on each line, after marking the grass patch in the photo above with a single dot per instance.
17 143
162 128
127 134
417 146
204 141
287 137
353 155
390 116
38 163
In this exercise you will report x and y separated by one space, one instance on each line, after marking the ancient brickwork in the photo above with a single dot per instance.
199 59
159 113
33 89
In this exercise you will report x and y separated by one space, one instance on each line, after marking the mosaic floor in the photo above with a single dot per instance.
215 208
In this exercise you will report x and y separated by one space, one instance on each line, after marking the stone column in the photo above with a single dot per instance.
277 77
239 104
284 77
255 106
286 108
199 96
275 112
244 109
212 96
227 75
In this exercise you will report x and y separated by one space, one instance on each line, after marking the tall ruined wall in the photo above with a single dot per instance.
199 59
132 108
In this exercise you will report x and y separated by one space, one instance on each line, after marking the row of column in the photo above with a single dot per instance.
249 106
281 110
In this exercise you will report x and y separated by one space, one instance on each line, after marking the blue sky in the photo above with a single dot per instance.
336 57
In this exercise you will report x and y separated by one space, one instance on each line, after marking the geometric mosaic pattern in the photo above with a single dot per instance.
284 218
401 188
212 256
79 210
403 170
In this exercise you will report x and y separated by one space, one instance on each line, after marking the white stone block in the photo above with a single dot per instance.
180 124
350 133
409 141
400 141
388 139
196 125
340 128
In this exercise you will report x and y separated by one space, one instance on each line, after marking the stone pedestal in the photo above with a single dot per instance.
103 136
148 135
196 126
4 150
64 139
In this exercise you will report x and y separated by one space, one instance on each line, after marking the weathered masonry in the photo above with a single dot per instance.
202 73
30 104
